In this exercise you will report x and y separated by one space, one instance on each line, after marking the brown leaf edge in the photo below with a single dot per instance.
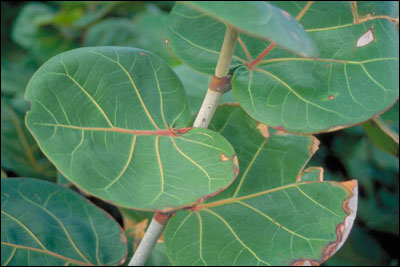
342 230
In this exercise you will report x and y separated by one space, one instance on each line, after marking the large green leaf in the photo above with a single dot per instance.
114 120
196 29
355 77
19 151
45 224
272 214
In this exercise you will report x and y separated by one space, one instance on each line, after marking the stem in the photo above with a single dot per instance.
217 88
150 238
261 56
218 85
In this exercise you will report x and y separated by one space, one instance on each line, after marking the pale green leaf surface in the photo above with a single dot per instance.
270 215
48 225
109 119
346 85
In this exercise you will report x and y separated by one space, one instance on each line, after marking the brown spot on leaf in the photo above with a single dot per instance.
331 97
223 157
263 129
142 53
167 41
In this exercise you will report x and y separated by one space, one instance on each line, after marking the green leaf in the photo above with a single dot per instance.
270 215
111 31
114 120
19 151
196 29
158 257
151 30
383 131
45 224
26 27
355 77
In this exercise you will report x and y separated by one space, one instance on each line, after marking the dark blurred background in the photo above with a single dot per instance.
32 32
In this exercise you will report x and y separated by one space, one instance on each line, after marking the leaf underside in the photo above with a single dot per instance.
114 120
354 78
275 213
45 224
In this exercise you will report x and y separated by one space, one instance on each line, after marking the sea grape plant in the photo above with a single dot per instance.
233 187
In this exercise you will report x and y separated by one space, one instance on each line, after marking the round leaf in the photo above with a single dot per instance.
355 78
46 224
114 120
271 215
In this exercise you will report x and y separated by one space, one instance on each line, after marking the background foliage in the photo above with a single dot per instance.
28 40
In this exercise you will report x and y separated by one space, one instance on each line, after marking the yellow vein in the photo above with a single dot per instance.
48 253
325 60
348 86
199 143
226 123
180 225
10 258
133 85
97 238
299 96
88 95
330 28
236 236
160 167
315 202
116 179
278 224
193 162
26 229
60 223
372 79
201 237
161 96
249 167
249 90
231 200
